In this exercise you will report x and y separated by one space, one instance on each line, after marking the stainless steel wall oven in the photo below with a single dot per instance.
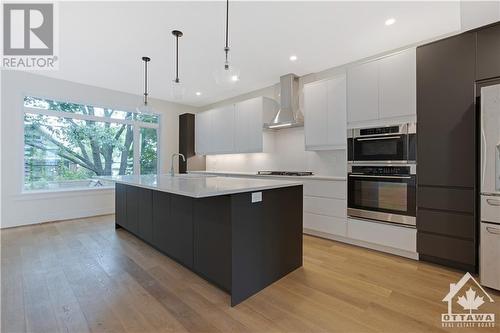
382 193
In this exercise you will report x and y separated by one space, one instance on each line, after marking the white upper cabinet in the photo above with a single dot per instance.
316 114
248 126
398 90
231 129
202 133
325 114
337 112
383 89
363 92
223 129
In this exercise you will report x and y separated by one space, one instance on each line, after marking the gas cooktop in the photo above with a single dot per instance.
285 173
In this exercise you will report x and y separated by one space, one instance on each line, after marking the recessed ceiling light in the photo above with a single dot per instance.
235 78
293 58
198 93
390 21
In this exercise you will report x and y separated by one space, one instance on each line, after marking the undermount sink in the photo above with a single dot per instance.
191 175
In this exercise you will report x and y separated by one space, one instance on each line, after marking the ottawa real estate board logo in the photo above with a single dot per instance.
30 36
470 296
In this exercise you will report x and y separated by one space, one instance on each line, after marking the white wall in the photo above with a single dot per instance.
474 14
284 151
28 208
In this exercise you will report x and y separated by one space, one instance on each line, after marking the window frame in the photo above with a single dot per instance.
136 146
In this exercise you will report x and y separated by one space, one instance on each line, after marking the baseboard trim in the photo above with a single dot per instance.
371 246
57 216
449 263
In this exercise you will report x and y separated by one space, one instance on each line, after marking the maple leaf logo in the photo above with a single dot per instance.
470 301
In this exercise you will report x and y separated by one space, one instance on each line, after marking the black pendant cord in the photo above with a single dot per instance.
146 60
226 49
177 59
177 34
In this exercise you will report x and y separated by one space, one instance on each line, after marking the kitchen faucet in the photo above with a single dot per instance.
172 172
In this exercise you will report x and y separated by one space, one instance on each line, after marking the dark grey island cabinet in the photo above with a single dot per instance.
236 242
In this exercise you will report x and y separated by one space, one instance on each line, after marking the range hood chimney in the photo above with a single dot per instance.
288 114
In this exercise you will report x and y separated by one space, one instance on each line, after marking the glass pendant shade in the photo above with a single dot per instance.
144 108
178 90
227 75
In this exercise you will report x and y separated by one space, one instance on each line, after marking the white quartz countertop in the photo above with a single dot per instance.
254 174
200 186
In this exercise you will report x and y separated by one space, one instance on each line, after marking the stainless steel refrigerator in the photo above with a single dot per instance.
489 261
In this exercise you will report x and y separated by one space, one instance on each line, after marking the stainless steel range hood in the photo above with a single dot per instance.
289 114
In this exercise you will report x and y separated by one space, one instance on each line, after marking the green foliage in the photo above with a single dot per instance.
148 151
58 149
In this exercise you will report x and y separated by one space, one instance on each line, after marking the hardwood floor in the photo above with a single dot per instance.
85 276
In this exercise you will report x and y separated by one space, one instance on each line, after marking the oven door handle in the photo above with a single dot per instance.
373 176
380 138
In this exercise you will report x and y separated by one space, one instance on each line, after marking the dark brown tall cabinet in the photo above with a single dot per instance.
488 52
186 145
447 149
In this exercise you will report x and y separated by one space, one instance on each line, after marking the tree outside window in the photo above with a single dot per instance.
68 144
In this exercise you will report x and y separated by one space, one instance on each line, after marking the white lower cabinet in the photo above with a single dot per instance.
325 224
326 188
325 206
394 236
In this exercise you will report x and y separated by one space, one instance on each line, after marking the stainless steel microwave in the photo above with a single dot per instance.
387 144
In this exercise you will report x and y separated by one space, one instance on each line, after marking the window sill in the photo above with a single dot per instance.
68 192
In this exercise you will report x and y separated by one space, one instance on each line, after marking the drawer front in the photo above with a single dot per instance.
325 188
459 200
447 248
490 254
325 206
328 224
446 223
490 209
383 234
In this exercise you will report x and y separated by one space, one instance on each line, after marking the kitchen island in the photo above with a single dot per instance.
240 234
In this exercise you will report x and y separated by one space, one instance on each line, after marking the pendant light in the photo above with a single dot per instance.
144 107
228 74
177 86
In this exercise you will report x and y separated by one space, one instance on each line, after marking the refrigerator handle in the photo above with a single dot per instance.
493 202
483 148
494 231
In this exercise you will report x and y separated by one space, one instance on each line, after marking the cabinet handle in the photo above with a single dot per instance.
492 230
493 202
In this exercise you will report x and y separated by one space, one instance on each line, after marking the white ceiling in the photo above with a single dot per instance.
101 43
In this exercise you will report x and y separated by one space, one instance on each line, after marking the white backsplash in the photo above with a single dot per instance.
283 150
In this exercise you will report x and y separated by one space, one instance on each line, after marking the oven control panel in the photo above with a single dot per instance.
381 170
379 130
